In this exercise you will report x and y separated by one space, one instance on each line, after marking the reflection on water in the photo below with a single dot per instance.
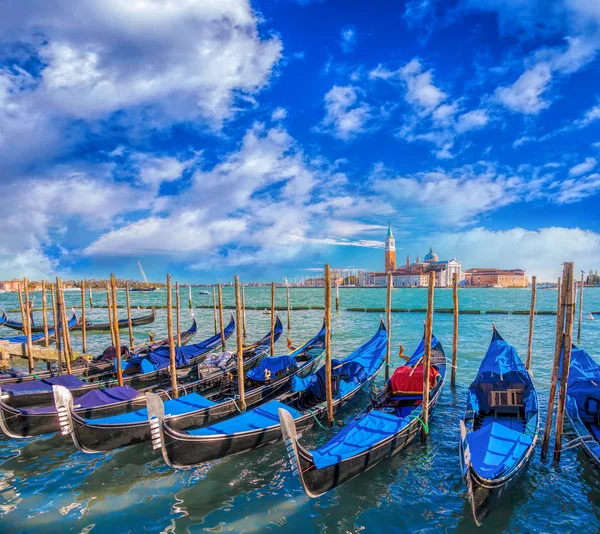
46 485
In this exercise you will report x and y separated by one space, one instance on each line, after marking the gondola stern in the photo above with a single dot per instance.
156 418
5 413
63 400
290 438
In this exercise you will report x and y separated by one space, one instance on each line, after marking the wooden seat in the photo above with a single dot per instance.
508 401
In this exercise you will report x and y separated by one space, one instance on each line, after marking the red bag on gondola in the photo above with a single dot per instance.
403 383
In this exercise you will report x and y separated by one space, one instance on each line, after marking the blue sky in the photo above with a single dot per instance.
266 138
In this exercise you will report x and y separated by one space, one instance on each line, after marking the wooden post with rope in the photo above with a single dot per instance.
580 308
172 365
427 355
178 316
129 322
569 303
531 321
215 309
272 318
221 317
328 384
240 342
44 315
388 316
455 329
113 289
83 325
55 316
560 321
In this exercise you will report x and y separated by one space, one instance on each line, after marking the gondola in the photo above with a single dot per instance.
38 339
210 397
583 402
500 427
385 427
31 420
100 366
89 325
139 372
260 426
123 323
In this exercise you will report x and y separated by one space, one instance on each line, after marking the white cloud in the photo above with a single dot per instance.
97 58
473 120
540 252
279 114
575 190
456 198
156 170
348 36
584 167
421 91
345 114
525 95
522 140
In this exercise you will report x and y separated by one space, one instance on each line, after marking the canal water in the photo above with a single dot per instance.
48 486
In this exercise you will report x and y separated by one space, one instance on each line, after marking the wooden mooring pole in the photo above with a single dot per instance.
560 321
243 313
129 321
64 324
190 301
337 296
83 325
289 309
388 317
240 342
580 308
115 313
178 316
215 309
427 355
44 315
172 363
569 303
110 314
328 384
55 315
220 291
272 318
455 330
531 321
27 322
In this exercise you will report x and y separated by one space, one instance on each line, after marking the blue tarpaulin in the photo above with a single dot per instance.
584 384
495 449
37 386
262 417
268 367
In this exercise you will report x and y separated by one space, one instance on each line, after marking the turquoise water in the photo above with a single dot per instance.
47 486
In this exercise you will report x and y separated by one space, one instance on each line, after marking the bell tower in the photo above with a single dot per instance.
390 251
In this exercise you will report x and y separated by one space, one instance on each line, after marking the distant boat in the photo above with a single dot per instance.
267 312
202 292
144 289
147 287
590 317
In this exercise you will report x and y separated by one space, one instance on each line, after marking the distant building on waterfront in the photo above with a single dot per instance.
415 274
489 277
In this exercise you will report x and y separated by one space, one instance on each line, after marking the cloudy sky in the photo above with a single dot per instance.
264 138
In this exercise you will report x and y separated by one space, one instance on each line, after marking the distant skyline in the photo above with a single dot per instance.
266 138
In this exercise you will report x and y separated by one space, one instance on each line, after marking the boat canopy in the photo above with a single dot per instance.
584 384
37 386
270 366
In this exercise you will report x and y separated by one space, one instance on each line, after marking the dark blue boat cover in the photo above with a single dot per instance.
36 386
93 399
268 367
260 418
420 350
495 449
160 358
358 437
584 384
185 404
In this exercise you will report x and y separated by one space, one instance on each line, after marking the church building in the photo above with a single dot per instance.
416 274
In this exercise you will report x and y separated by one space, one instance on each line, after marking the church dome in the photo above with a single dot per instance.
431 256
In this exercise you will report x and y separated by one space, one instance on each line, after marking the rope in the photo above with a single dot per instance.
423 424
572 444
233 399
316 420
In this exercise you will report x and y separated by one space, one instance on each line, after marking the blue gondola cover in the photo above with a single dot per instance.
270 366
